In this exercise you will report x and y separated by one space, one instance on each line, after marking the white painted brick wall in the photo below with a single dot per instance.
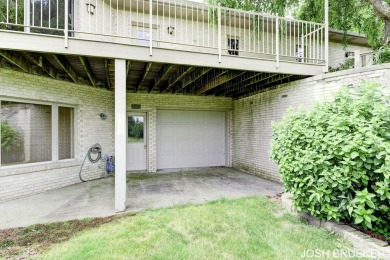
337 52
90 102
253 116
151 102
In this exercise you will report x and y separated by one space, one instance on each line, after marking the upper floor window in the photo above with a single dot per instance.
142 34
233 46
33 132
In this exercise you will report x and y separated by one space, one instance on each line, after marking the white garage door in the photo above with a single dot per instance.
190 139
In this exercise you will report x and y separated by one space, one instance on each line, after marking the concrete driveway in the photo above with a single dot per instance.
144 190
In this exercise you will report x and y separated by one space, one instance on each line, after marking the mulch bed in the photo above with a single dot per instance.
25 242
368 232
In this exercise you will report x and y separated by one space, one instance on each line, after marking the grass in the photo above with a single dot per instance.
245 228
135 140
21 243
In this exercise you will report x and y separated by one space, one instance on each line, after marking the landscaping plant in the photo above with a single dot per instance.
9 136
382 55
335 158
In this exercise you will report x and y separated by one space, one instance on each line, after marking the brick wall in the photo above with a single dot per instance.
253 116
90 129
151 102
89 102
337 52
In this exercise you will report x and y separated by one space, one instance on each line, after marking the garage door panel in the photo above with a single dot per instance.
214 131
167 131
165 117
167 161
215 146
184 146
190 139
215 160
198 117
166 147
215 117
198 146
182 117
184 161
183 132
198 160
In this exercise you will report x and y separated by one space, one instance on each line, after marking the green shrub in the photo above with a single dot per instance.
335 158
382 55
9 136
346 65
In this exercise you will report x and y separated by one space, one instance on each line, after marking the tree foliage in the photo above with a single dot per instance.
335 158
358 16
9 136
347 15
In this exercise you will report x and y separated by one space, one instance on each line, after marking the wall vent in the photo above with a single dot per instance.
135 106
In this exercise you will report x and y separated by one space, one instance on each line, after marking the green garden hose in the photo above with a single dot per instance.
95 149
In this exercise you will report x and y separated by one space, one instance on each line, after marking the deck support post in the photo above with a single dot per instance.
150 28
26 16
120 135
219 34
326 36
277 42
357 63
66 23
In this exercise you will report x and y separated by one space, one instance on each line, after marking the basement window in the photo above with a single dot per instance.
233 46
29 132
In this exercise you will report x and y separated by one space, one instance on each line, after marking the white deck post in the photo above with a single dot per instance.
150 28
120 135
219 34
326 36
277 42
66 22
357 63
27 16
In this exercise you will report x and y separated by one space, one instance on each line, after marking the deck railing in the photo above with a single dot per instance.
171 24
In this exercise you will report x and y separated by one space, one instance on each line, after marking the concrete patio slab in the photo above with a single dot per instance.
144 191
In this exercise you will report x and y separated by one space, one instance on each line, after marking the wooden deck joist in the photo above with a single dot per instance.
66 66
41 62
143 76
16 59
88 70
162 74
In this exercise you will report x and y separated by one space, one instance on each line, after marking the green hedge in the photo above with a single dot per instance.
9 137
335 158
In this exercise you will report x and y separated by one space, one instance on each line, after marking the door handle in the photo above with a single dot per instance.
145 146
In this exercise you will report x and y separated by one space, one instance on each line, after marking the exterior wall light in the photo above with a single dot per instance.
170 29
349 54
91 8
103 116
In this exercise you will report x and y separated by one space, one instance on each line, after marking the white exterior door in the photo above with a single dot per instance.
136 142
190 139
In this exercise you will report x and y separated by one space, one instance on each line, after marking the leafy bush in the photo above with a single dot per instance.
382 55
9 136
346 65
335 158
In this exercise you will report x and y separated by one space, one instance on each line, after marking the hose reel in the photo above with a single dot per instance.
96 150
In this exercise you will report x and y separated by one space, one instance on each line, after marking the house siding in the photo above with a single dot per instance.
337 52
253 116
89 102
196 35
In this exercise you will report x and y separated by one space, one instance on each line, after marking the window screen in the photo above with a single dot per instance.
26 133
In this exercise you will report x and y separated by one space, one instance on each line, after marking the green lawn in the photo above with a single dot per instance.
248 228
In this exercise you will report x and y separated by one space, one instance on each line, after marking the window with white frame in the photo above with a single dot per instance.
233 46
143 35
33 132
